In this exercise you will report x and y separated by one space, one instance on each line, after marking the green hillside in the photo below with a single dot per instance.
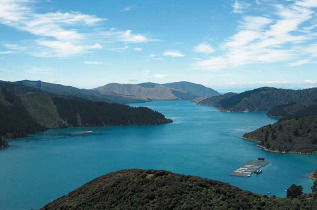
152 189
261 99
295 134
25 110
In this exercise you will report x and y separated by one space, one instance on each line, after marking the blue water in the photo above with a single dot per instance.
202 141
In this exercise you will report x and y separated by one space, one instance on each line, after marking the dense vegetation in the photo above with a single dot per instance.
25 110
261 99
88 113
295 134
294 109
152 189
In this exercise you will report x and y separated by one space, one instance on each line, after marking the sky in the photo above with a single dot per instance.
228 45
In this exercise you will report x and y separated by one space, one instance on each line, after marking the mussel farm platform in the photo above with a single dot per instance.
250 167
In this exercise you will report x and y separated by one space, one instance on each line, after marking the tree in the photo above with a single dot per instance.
314 187
294 191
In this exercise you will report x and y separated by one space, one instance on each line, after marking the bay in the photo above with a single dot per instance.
201 141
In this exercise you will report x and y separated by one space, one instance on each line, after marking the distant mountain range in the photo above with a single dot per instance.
261 99
154 91
89 94
127 93
25 109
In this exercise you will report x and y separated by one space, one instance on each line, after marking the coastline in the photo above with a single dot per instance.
313 175
276 151
26 135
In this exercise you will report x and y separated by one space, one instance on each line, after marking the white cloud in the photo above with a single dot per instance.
127 9
6 52
254 23
152 55
159 76
138 49
213 63
204 48
38 71
127 36
299 63
275 37
93 62
61 34
239 6
173 53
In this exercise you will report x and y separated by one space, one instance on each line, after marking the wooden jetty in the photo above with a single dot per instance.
250 167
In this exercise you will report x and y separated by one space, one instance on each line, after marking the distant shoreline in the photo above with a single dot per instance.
276 151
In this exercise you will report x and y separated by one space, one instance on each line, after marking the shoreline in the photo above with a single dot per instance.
276 151
313 175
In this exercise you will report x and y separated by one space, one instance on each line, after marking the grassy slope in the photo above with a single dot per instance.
151 189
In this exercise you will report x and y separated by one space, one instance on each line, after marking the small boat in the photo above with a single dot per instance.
268 192
79 133
258 171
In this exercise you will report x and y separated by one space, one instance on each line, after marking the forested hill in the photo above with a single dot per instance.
152 189
260 99
25 110
294 109
296 132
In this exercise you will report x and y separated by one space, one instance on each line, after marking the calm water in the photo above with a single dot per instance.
201 142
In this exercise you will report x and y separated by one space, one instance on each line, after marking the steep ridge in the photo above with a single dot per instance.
154 189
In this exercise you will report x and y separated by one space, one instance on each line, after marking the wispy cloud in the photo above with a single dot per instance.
204 48
274 37
159 76
127 8
6 52
38 71
299 63
173 53
138 49
61 34
239 6
93 62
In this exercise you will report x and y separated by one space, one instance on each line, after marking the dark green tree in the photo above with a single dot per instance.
294 191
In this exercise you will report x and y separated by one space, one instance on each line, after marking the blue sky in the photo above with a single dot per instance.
228 45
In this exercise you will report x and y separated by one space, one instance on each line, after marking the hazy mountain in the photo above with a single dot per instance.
260 99
26 109
153 91
153 189
89 94
195 89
